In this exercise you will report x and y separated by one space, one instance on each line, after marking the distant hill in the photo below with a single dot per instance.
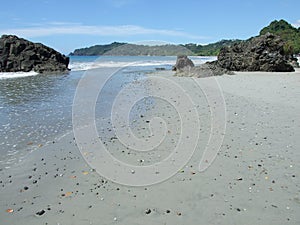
117 48
97 49
210 49
287 32
156 50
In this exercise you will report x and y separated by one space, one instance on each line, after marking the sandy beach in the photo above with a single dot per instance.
253 180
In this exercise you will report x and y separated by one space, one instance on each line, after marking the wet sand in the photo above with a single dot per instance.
253 180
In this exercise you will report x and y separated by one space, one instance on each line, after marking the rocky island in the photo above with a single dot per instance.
18 54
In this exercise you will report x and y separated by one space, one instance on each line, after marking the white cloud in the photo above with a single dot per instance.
55 28
296 24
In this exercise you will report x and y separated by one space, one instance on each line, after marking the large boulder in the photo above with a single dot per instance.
207 69
185 67
262 53
183 62
18 54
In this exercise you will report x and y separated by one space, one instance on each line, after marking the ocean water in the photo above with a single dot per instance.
36 109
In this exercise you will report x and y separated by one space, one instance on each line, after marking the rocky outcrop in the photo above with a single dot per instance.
183 62
262 53
185 67
207 69
18 54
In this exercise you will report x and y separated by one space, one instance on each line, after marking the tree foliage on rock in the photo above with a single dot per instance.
287 32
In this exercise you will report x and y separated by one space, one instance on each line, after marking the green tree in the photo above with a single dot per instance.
287 32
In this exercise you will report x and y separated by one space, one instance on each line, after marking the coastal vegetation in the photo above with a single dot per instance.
117 48
287 32
210 49
97 49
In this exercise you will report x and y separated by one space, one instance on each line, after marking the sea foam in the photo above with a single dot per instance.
81 66
87 65
7 75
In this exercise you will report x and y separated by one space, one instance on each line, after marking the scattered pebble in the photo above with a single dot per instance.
67 194
148 211
9 210
40 213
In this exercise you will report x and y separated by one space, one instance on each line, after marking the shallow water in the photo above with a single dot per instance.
37 109
34 110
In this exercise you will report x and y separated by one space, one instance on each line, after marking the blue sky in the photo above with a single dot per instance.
66 25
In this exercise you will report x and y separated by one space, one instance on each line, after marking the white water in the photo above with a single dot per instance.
6 75
87 65
79 66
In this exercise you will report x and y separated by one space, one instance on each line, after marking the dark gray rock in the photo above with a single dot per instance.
183 62
18 54
207 69
185 67
211 69
262 53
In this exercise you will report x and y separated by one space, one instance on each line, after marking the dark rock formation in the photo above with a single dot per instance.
262 53
185 67
207 69
18 54
183 62
211 69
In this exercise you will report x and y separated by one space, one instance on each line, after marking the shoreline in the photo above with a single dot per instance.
253 180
